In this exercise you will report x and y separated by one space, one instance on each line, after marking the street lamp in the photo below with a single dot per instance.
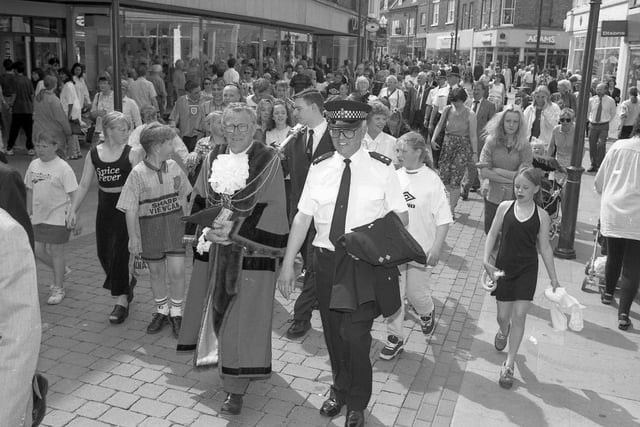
539 36
452 35
565 248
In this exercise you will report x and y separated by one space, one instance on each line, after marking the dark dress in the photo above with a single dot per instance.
112 239
518 257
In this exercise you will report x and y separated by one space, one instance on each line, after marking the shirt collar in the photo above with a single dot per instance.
320 129
164 168
240 153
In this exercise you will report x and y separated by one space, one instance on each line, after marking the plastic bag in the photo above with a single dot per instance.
562 304
140 267
599 266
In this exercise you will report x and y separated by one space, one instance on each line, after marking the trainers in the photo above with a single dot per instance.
500 341
31 152
10 152
392 349
427 323
56 296
506 376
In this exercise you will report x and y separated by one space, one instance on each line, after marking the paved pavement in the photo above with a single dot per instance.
103 375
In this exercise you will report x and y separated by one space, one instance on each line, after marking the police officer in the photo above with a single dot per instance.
346 189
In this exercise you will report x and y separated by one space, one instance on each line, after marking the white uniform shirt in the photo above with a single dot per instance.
374 191
440 96
383 144
608 109
426 198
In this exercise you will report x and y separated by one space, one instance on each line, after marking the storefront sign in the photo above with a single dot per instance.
544 39
614 29
354 28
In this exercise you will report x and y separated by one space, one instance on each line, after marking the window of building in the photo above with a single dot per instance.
423 19
451 11
411 24
470 23
485 13
463 18
508 11
385 5
395 27
435 15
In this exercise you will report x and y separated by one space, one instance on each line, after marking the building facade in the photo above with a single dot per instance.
617 53
198 32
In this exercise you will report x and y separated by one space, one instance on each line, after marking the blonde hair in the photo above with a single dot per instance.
494 130
417 142
113 119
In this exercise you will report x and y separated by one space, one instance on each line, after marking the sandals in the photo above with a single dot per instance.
606 298
500 341
623 321
506 376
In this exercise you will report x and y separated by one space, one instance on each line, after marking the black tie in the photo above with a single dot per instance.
340 212
309 149
475 106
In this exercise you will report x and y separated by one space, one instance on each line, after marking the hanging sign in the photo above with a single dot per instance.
614 29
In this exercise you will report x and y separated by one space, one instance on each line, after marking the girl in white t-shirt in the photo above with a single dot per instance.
429 219
50 183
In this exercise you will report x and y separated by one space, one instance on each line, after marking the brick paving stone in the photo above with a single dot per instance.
94 392
57 418
270 420
118 382
92 410
255 401
385 414
155 422
301 371
178 398
209 421
312 387
64 402
405 417
183 416
122 418
151 391
125 370
94 377
278 407
64 385
173 381
86 422
152 407
122 400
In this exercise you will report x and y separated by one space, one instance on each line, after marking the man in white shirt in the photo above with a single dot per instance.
231 75
602 109
629 113
439 97
393 94
142 90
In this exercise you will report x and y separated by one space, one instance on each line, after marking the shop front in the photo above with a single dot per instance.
442 46
163 34
510 46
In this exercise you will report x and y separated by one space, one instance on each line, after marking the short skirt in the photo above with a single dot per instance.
46 233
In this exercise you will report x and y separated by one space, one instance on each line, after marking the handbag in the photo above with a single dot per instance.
439 138
76 129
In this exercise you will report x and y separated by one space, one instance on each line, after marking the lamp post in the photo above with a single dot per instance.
570 202
115 52
455 42
451 34
538 37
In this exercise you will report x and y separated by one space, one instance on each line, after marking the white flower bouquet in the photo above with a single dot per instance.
229 173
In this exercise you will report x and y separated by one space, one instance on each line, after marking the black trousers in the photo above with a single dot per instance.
24 121
348 341
112 243
307 299
622 257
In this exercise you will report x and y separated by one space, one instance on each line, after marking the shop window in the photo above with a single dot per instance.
48 26
20 24
435 16
508 11
451 11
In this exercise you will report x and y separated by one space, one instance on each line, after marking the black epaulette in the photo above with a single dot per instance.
381 158
325 156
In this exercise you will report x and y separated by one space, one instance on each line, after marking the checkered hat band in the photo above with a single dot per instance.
346 115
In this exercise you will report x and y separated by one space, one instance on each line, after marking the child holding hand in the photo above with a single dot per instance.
525 232
50 183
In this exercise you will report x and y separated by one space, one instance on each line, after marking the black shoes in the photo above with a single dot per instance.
354 419
592 169
298 328
232 404
176 323
157 323
40 387
119 314
331 407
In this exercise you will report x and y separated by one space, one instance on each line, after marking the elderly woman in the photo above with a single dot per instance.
505 151
361 92
460 144
561 144
393 95
618 181
542 116
375 139
565 90
111 162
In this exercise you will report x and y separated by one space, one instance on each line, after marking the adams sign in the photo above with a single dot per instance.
544 39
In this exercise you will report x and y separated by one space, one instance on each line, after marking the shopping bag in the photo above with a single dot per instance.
139 267
562 304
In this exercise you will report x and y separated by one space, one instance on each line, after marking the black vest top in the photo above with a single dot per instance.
112 174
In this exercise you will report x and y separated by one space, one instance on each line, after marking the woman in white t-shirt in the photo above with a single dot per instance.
429 219
375 139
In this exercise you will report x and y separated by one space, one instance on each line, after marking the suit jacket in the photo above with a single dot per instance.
478 71
486 110
615 94
297 165
415 117
20 327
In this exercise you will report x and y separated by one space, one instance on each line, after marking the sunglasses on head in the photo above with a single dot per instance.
565 120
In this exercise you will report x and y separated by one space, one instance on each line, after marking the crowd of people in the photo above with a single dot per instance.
274 171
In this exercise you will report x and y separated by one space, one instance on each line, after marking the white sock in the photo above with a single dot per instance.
176 307
162 306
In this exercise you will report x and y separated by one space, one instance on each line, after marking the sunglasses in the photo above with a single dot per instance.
345 132
565 120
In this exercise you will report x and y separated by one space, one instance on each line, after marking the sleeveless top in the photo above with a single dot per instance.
518 244
112 174
458 124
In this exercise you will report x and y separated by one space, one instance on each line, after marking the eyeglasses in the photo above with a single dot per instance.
242 127
346 133
566 120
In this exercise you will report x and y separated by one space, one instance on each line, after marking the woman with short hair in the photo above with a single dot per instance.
376 139
541 116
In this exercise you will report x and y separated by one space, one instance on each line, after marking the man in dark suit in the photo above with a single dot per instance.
300 153
484 110
478 71
416 107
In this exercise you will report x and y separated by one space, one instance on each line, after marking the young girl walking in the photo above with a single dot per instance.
50 183
154 201
523 228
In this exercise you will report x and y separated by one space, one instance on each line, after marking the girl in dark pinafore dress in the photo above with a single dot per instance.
524 229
